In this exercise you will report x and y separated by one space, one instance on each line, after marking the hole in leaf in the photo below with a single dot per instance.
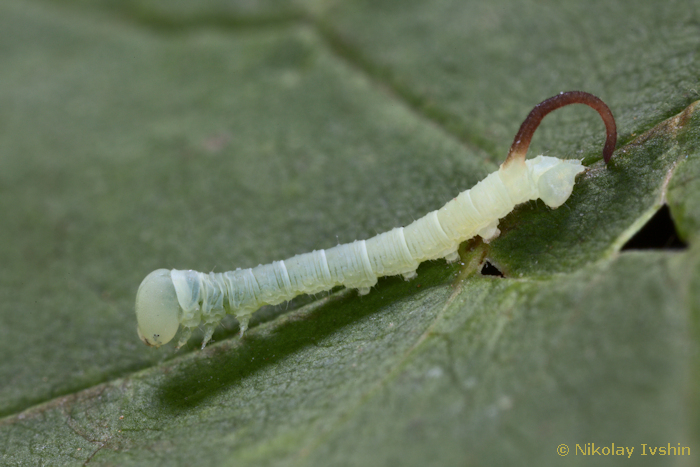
489 269
659 233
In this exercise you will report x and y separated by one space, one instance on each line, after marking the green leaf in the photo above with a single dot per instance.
221 134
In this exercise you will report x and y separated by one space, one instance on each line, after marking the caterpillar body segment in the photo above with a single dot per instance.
167 299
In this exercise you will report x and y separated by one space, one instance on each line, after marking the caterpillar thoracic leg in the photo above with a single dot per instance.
167 299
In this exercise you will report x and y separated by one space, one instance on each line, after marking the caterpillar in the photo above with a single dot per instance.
167 299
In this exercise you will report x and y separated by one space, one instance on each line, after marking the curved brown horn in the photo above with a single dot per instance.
522 139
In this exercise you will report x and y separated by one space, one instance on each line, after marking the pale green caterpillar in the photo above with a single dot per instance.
167 299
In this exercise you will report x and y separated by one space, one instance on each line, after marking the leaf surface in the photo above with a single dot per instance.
213 135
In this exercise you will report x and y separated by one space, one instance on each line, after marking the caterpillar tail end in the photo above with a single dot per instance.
157 309
556 184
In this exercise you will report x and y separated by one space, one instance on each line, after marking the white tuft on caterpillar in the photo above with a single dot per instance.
167 299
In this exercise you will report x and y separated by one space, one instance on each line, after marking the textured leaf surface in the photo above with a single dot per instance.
221 134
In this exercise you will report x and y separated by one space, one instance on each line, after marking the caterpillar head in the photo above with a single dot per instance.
157 309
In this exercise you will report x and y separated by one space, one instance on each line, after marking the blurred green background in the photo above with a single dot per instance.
217 134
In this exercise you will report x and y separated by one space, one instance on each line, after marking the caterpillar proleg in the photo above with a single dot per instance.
167 299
